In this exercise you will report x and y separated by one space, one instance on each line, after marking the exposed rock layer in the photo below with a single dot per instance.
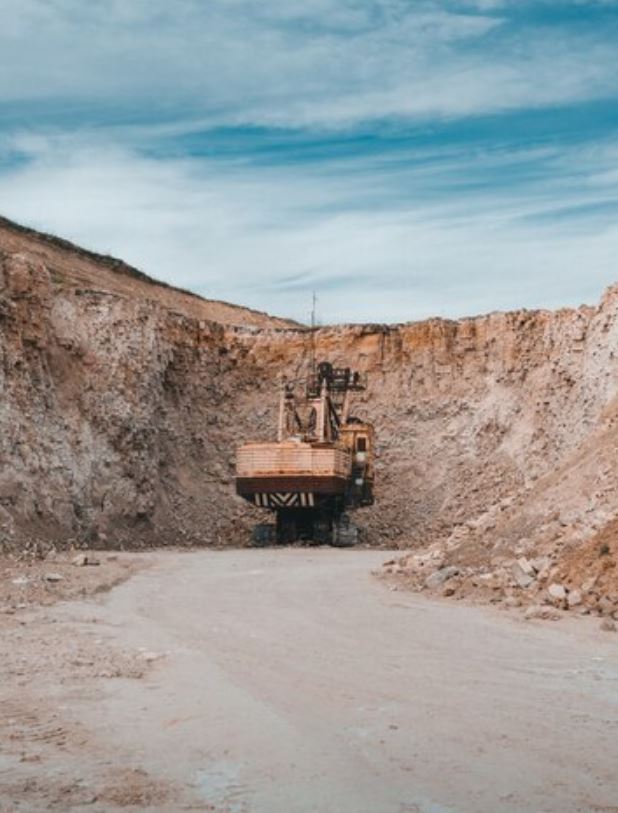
122 402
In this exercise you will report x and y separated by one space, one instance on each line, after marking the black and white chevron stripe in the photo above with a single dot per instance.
288 499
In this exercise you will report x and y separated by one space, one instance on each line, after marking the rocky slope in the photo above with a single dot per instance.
122 402
74 268
114 391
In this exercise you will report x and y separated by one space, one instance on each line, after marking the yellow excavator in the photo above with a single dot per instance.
320 467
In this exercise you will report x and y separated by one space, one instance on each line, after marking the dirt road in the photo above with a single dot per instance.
292 681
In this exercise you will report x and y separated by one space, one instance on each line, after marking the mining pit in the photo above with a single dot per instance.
422 670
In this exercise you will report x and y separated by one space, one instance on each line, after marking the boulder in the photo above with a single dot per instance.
574 598
440 577
543 611
541 564
526 566
82 559
605 605
556 592
522 579
589 584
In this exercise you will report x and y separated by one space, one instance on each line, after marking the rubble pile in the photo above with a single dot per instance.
576 578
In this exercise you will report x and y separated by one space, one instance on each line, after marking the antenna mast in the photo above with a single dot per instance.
313 327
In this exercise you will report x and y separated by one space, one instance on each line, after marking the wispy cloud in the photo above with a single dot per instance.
404 159
284 63
267 236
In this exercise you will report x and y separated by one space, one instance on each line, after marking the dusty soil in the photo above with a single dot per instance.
289 681
32 577
598 559
43 661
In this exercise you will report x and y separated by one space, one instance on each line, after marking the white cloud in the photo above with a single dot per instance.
380 240
267 237
316 63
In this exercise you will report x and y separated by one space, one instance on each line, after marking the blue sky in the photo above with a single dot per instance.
404 159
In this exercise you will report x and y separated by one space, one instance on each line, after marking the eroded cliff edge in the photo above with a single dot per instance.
122 402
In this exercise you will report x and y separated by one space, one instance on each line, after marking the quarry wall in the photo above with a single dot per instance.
121 405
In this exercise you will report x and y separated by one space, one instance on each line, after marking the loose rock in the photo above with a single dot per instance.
541 564
574 598
522 579
526 566
556 592
441 576
542 611
589 584
81 560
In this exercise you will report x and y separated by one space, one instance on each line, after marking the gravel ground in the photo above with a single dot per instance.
289 681
28 581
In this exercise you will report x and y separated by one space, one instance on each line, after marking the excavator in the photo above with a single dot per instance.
319 468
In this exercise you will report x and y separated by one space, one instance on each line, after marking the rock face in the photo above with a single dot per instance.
122 402
117 420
